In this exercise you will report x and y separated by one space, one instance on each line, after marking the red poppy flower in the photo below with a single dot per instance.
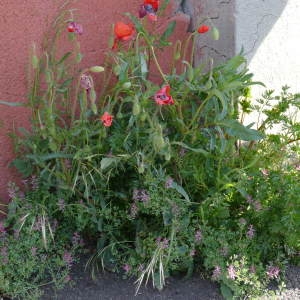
153 3
107 119
203 29
163 96
123 32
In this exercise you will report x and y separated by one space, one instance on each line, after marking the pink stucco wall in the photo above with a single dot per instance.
23 22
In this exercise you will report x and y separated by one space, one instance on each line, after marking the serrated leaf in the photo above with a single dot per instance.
235 129
180 190
190 148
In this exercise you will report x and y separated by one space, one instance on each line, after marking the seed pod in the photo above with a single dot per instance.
158 142
126 85
97 69
136 108
215 33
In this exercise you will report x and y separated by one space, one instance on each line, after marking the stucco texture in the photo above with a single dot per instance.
25 22
270 40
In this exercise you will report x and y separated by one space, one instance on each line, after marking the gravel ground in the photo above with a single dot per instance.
110 286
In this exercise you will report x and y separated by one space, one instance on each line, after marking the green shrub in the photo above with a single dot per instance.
165 178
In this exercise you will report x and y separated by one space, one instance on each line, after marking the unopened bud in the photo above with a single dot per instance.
97 69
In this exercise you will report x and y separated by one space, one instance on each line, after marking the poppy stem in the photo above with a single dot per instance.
157 65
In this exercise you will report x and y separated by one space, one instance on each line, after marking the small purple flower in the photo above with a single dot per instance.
33 251
133 210
231 272
61 204
169 183
162 243
67 258
86 82
140 195
4 254
127 268
75 27
265 172
192 252
198 236
216 273
251 232
273 272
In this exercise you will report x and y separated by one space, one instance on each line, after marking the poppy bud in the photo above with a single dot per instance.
136 108
126 85
158 142
97 69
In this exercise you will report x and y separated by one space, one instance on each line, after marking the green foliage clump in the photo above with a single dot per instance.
165 188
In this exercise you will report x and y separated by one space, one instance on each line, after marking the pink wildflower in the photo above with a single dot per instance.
273 272
251 232
68 259
198 236
216 273
127 268
231 272
265 172
169 183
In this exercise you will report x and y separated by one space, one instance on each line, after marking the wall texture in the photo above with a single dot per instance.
268 30
23 22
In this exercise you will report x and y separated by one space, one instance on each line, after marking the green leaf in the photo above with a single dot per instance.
190 148
64 57
35 61
226 292
23 166
14 104
235 129
168 31
48 156
107 162
144 66
180 190
215 33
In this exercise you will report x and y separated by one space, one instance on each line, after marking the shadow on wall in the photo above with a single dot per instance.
254 20
242 23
